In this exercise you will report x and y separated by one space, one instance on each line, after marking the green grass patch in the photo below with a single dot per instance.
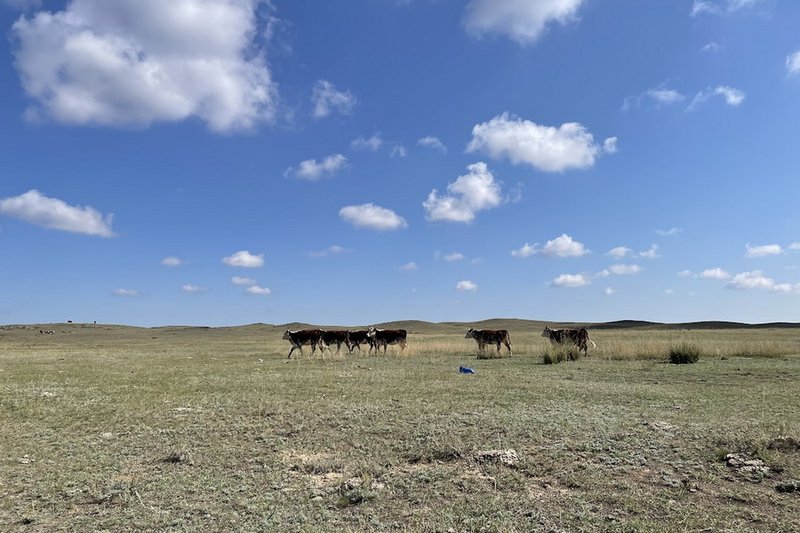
684 353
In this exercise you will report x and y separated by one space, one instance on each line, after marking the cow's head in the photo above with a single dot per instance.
546 332
286 335
371 332
470 334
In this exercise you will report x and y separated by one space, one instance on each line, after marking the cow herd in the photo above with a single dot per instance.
375 338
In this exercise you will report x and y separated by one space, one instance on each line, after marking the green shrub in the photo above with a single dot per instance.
684 354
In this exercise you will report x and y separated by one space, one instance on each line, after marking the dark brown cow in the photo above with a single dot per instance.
356 338
384 337
578 337
304 336
329 338
490 336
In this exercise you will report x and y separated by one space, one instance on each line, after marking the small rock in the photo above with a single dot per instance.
505 457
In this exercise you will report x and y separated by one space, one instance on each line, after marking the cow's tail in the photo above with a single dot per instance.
593 344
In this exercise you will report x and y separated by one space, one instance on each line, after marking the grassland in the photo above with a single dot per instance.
189 429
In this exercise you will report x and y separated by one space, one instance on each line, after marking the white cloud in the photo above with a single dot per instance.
733 97
373 144
192 288
521 20
655 97
793 63
763 251
714 273
371 216
125 292
571 281
671 232
466 285
171 261
756 280
545 148
610 145
312 170
650 253
526 251
711 47
564 246
433 143
608 291
398 151
330 250
794 246
408 267
471 193
134 62
244 259
721 7
327 99
619 270
239 280
35 208
261 291
619 252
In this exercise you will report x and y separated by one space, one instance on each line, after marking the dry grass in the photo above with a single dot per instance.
214 430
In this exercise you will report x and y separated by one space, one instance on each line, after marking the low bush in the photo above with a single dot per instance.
684 354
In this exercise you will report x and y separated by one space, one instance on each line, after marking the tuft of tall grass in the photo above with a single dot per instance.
559 353
684 353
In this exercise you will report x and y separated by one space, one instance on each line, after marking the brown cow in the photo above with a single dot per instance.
388 336
356 338
304 336
578 337
329 338
490 336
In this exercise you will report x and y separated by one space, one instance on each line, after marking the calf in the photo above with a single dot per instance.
578 337
490 336
304 336
384 337
334 337
356 338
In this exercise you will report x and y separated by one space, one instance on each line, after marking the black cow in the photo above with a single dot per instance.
384 337
356 338
304 336
578 337
490 336
329 338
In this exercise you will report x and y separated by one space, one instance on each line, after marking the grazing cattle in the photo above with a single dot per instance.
578 337
334 337
356 338
304 336
385 337
490 336
47 332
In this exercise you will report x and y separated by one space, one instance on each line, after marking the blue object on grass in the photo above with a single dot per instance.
466 370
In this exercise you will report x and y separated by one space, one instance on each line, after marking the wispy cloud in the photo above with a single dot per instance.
721 7
171 261
619 252
330 250
763 251
714 273
260 291
372 144
192 288
125 292
656 97
732 97
650 253
35 208
671 232
619 270
409 267
433 143
793 63
239 280
327 99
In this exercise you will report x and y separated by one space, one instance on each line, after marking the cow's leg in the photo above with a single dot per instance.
508 345
294 347
403 346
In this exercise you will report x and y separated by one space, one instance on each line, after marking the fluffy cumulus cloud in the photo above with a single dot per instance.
371 216
475 191
757 280
466 285
562 246
619 270
433 143
545 148
327 99
244 259
171 261
134 62
732 97
521 20
714 273
619 252
793 63
239 280
763 251
260 291
313 170
35 208
571 281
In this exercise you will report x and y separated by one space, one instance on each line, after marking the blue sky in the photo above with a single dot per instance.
224 162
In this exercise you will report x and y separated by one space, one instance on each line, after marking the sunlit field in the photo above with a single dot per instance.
193 429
